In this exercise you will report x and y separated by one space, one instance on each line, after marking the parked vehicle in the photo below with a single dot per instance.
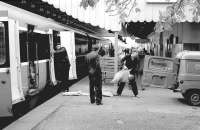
188 80
159 72
181 74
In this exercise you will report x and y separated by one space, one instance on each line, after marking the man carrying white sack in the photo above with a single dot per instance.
131 63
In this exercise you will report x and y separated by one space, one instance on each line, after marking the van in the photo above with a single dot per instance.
181 74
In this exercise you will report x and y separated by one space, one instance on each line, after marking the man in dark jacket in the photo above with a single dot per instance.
62 66
131 63
95 78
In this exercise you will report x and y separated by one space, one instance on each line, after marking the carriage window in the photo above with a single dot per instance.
2 44
23 46
39 49
161 64
43 46
193 67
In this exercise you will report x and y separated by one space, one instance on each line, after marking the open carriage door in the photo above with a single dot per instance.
159 72
15 65
10 70
5 78
51 62
67 39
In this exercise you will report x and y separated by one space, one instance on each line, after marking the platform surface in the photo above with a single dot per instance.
155 109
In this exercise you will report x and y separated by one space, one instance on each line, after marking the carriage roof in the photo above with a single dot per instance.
187 55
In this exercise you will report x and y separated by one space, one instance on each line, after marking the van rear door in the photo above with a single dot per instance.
159 72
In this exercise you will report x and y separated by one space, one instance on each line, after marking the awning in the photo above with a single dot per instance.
95 16
145 10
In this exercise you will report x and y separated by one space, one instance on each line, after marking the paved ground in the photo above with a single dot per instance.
156 109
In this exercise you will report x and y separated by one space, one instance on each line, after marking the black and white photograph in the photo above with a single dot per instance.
99 64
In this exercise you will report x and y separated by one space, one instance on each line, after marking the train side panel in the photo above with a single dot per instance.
5 92
43 74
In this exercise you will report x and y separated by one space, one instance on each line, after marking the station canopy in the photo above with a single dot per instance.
95 16
144 11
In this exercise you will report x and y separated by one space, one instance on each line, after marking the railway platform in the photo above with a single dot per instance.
32 119
155 108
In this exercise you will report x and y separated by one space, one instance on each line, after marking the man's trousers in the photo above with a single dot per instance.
95 87
133 85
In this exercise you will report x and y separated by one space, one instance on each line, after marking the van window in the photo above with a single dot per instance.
161 64
2 44
193 67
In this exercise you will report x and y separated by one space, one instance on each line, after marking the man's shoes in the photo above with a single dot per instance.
99 103
137 96
92 102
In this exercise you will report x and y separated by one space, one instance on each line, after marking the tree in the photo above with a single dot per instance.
87 3
122 8
174 13
177 12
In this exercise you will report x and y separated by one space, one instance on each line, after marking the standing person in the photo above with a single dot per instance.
141 57
62 66
95 77
131 64
101 52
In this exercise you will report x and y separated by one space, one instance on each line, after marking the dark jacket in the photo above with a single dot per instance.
62 56
131 63
61 64
93 63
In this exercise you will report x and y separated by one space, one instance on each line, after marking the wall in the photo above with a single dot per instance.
187 32
188 37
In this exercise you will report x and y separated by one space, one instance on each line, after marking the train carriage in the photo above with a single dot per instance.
26 51
26 66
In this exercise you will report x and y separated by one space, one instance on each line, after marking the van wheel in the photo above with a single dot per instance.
193 97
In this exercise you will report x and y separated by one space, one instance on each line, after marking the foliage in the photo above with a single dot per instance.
177 13
87 3
173 14
122 8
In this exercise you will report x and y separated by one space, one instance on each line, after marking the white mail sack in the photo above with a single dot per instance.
122 76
